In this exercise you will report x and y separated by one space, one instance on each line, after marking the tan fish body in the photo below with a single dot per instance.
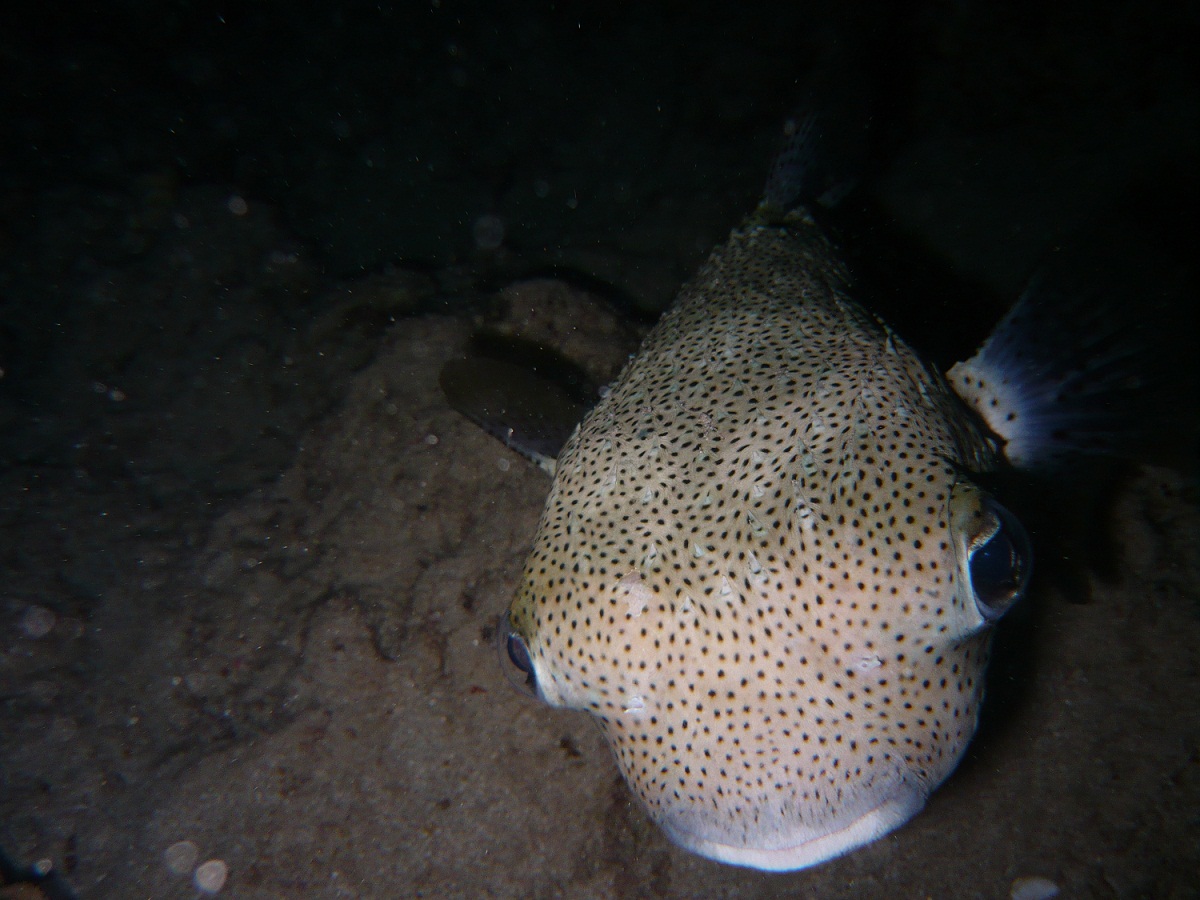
756 564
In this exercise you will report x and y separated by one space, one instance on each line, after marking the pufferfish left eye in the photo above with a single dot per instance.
514 658
999 561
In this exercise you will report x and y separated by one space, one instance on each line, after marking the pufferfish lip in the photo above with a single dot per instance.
807 846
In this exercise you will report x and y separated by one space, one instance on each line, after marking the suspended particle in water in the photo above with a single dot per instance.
210 876
37 621
1033 888
488 232
181 856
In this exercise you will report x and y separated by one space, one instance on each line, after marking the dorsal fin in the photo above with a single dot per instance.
1092 357
825 145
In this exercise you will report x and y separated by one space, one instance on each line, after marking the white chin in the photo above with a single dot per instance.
806 846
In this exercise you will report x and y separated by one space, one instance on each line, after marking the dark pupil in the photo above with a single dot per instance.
996 569
519 655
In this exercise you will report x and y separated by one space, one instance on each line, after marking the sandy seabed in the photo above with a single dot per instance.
306 688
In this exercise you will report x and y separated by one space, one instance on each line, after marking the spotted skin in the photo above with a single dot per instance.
752 566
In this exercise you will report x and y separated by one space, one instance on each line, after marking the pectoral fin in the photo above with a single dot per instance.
528 412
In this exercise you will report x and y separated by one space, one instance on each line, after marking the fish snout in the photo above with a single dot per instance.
780 839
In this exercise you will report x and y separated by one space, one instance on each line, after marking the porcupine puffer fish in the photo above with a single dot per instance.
764 567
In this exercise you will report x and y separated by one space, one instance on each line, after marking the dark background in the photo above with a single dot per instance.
211 215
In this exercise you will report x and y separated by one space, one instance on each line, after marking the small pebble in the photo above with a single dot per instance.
1033 888
210 876
37 621
238 206
181 856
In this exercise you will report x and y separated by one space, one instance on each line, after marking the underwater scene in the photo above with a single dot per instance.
574 450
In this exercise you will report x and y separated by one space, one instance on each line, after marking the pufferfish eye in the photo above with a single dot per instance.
514 658
999 561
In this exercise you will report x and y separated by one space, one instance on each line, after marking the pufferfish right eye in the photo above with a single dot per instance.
515 658
999 560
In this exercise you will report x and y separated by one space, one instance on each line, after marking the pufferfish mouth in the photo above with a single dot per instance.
805 846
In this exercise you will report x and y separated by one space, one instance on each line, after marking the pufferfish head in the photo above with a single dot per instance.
781 679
